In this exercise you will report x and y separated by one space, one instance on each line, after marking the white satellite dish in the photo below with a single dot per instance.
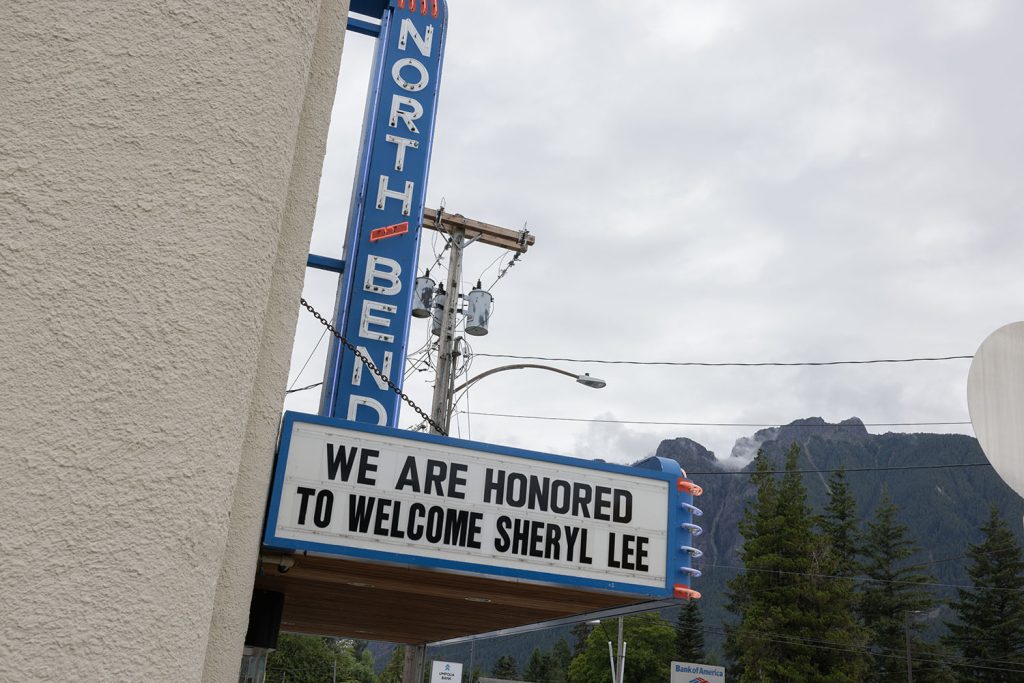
995 399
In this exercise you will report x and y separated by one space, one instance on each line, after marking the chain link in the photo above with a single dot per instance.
373 368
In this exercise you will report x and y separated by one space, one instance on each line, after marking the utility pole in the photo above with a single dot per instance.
440 407
463 232
622 656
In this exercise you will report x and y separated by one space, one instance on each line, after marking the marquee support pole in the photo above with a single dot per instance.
415 659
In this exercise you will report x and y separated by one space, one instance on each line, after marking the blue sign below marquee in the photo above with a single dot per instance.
377 493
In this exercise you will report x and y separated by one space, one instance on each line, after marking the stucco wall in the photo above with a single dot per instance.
158 172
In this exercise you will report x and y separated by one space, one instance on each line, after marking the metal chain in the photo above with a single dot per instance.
373 368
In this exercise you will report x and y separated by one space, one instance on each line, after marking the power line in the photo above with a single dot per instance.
852 469
867 579
787 639
764 364
305 388
311 354
1010 547
856 425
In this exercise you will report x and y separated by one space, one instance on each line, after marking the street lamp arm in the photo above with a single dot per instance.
516 366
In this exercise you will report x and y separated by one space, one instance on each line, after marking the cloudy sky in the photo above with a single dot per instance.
736 181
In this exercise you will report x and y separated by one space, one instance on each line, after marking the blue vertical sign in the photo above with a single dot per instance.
385 219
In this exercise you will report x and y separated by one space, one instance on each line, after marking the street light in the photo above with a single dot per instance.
585 379
442 412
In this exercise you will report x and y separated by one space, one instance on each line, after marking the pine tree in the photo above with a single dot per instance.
839 523
892 595
579 632
991 613
505 668
743 589
538 668
690 633
392 673
561 659
788 599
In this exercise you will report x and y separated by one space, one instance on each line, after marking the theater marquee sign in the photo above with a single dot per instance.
363 491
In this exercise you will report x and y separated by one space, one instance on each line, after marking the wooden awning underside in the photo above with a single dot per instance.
401 604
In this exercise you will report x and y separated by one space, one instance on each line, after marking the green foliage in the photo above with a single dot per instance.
788 601
690 634
538 670
307 659
939 505
650 649
891 596
561 659
506 668
990 626
579 633
839 523
392 673
549 667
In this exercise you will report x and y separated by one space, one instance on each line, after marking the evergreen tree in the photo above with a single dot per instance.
392 673
358 647
505 668
579 632
690 633
795 616
839 523
561 659
991 613
746 586
538 669
892 595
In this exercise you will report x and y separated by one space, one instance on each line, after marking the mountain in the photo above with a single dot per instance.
942 506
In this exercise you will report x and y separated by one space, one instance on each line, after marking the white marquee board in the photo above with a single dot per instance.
374 492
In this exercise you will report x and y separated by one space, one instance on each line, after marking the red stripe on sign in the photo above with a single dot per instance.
434 12
401 4
423 7
387 231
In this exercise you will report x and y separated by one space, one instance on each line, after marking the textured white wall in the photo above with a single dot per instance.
158 172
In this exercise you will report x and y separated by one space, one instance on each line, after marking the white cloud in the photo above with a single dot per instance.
786 180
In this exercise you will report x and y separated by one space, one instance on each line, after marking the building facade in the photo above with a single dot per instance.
159 166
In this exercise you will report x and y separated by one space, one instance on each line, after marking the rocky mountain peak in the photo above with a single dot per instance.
803 430
687 452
